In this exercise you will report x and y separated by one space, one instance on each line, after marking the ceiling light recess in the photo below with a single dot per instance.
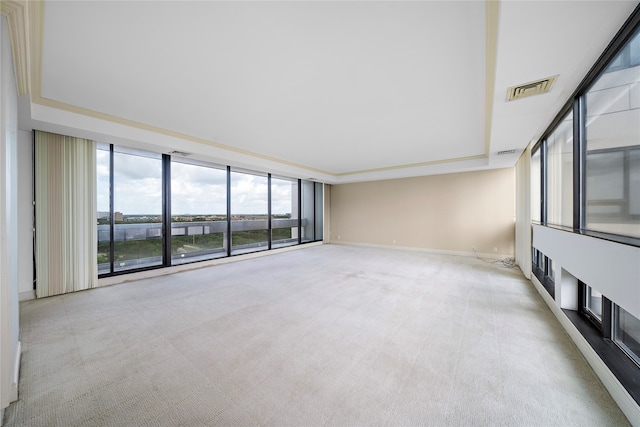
536 87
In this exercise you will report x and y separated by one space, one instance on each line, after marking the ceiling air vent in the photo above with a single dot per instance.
532 88
500 153
178 153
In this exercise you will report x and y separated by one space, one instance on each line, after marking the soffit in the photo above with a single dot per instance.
355 90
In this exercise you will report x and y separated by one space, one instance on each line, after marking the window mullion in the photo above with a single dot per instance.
166 210
112 220
269 216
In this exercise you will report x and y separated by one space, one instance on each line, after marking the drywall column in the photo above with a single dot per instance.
25 220
9 346
327 214
523 212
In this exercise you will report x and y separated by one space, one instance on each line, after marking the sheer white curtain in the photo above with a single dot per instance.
523 212
66 232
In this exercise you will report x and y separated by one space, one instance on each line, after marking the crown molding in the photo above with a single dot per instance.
414 165
16 13
28 30
491 59
162 131
36 33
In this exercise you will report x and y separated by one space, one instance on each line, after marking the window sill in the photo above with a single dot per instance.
547 283
623 368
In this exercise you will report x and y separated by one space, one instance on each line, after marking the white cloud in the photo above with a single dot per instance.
198 190
195 190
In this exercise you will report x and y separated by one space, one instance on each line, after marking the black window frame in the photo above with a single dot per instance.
599 333
166 216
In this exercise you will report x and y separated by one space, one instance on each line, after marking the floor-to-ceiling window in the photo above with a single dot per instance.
249 212
137 205
198 211
308 211
103 203
318 209
284 212
560 174
156 210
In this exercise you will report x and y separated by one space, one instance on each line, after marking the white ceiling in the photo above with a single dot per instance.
338 91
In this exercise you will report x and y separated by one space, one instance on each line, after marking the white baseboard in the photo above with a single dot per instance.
16 374
492 256
27 295
619 394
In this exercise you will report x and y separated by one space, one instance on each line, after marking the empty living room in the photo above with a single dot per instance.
336 213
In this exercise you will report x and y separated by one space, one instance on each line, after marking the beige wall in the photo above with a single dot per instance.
452 212
326 226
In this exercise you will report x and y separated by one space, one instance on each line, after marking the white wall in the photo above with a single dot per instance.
25 220
523 212
611 268
9 346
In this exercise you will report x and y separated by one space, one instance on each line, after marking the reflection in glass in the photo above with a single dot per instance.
560 174
536 195
633 158
594 302
308 212
319 209
605 177
198 212
627 333
612 136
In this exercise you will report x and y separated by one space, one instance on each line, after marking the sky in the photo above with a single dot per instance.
194 189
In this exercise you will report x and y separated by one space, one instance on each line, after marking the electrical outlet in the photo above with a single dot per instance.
394 241
495 249
338 237
473 248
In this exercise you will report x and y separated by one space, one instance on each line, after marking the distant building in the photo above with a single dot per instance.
117 216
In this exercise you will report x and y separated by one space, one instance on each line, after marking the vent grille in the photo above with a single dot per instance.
179 153
500 153
537 87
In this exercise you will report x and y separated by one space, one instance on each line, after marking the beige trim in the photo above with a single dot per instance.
36 34
17 23
414 165
493 22
36 21
115 119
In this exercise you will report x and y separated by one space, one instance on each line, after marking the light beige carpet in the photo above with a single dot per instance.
324 336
